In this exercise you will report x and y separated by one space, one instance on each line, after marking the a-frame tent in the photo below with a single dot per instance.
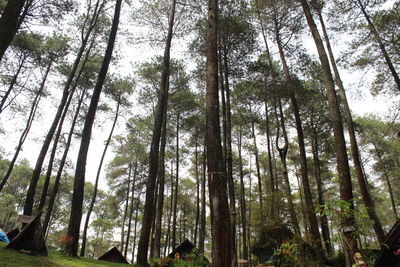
388 256
113 255
182 249
31 238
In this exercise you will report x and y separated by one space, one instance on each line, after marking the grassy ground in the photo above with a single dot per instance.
13 258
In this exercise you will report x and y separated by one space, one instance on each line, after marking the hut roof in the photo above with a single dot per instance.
113 255
388 256
185 247
30 238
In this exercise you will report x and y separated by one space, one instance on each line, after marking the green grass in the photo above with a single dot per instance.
13 258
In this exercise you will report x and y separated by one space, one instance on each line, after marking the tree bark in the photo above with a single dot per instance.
346 190
128 234
242 198
355 152
12 83
29 122
28 206
220 217
155 143
9 23
161 182
79 181
382 47
174 215
202 229
96 183
54 191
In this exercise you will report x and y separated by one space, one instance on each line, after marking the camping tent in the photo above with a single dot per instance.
113 255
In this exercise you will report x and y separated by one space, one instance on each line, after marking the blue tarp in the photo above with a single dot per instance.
3 237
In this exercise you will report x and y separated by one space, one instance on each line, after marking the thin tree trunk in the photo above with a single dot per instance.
161 182
12 83
346 190
128 190
79 181
323 218
54 191
59 130
131 211
228 156
96 183
197 175
28 206
135 229
153 158
29 122
242 198
316 237
382 47
367 198
174 215
282 154
260 198
9 23
202 229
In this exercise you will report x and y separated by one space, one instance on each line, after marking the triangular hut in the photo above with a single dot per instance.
113 255
389 254
182 250
31 238
13 233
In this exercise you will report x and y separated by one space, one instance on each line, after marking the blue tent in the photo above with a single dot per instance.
3 237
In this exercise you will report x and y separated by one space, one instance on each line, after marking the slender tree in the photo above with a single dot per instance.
77 197
220 217
155 144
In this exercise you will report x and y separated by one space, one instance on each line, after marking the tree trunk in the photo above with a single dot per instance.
367 198
29 122
346 190
59 130
196 163
96 183
28 206
282 154
9 23
12 83
382 47
313 221
202 229
128 190
242 198
128 234
174 215
79 181
220 217
161 182
260 198
155 142
228 156
54 191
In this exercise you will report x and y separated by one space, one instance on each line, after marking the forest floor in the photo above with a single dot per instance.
13 258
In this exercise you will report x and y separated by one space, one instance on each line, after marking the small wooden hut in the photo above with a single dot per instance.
182 250
31 238
113 255
389 255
